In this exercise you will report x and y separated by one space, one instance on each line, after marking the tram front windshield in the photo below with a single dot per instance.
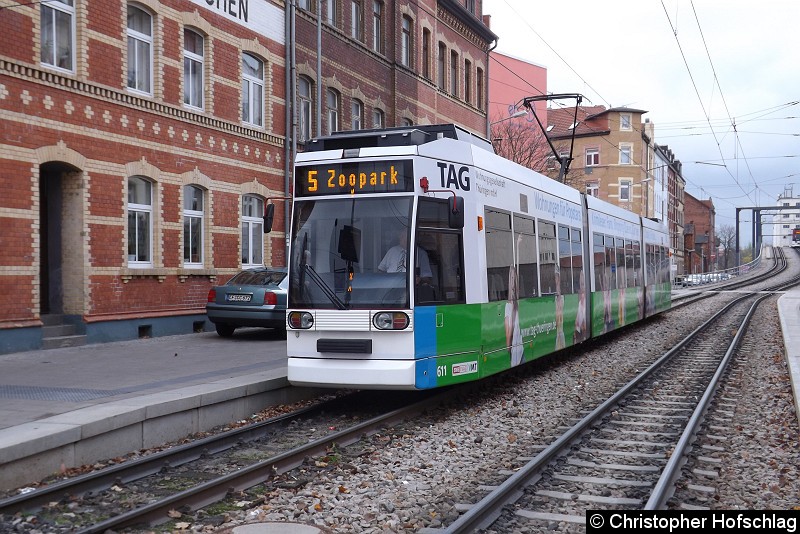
350 253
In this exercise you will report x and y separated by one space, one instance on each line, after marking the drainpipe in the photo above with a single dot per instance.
486 92
319 69
290 146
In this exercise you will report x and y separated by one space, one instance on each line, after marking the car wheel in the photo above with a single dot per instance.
225 330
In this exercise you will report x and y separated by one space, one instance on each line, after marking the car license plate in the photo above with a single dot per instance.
239 298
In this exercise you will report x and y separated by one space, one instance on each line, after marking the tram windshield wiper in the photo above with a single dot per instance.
326 289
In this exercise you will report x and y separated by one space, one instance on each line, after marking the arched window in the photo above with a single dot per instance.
140 222
252 231
406 42
378 120
252 90
140 50
193 53
332 104
357 114
305 107
193 216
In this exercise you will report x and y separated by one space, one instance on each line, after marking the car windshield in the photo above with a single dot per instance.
257 278
339 251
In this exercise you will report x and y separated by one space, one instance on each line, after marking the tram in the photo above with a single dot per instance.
420 259
796 237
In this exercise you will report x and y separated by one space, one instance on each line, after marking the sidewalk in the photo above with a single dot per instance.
72 406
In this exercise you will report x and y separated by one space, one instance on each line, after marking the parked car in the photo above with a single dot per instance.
253 297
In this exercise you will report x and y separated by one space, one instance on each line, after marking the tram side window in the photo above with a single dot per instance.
611 264
637 263
548 255
444 249
564 261
577 258
651 264
499 253
630 272
599 254
525 239
620 262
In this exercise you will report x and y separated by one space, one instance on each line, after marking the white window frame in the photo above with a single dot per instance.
377 26
190 214
593 189
189 82
304 95
252 106
625 154
356 114
356 20
592 157
140 41
405 41
625 192
332 101
454 78
625 122
52 10
330 16
252 230
146 210
378 118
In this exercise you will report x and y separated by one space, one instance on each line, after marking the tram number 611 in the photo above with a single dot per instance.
441 371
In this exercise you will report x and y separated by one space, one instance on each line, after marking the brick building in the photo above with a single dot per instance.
140 141
700 238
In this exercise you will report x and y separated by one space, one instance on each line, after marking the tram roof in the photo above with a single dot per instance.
396 136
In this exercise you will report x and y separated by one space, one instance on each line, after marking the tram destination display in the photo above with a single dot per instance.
356 177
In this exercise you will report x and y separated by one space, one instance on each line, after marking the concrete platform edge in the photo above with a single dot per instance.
36 450
789 314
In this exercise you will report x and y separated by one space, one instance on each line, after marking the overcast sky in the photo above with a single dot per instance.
697 66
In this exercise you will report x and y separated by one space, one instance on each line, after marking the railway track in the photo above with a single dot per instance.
627 453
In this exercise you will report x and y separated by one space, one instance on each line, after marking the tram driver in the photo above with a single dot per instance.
396 260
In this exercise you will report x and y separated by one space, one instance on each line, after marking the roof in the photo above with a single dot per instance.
592 120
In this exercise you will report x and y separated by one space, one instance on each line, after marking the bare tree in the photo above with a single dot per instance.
727 240
521 142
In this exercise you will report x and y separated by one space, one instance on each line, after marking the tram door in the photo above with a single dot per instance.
441 281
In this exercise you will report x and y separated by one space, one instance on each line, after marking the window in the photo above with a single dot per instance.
377 27
471 6
304 96
454 73
479 90
625 190
140 222
625 121
357 20
564 270
407 122
499 253
405 43
441 64
140 50
192 226
592 157
426 53
378 120
548 255
193 69
333 110
252 90
58 34
468 81
252 231
625 151
525 240
444 251
593 189
304 4
331 12
356 113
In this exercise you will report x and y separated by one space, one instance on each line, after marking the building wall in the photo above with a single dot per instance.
71 137
701 253
511 80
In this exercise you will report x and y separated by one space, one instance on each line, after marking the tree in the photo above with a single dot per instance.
521 142
727 241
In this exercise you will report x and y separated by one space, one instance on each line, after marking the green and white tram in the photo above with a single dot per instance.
419 259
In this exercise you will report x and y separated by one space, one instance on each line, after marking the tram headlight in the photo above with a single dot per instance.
301 320
390 321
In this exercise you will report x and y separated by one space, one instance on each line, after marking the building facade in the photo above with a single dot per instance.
140 142
700 237
787 220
